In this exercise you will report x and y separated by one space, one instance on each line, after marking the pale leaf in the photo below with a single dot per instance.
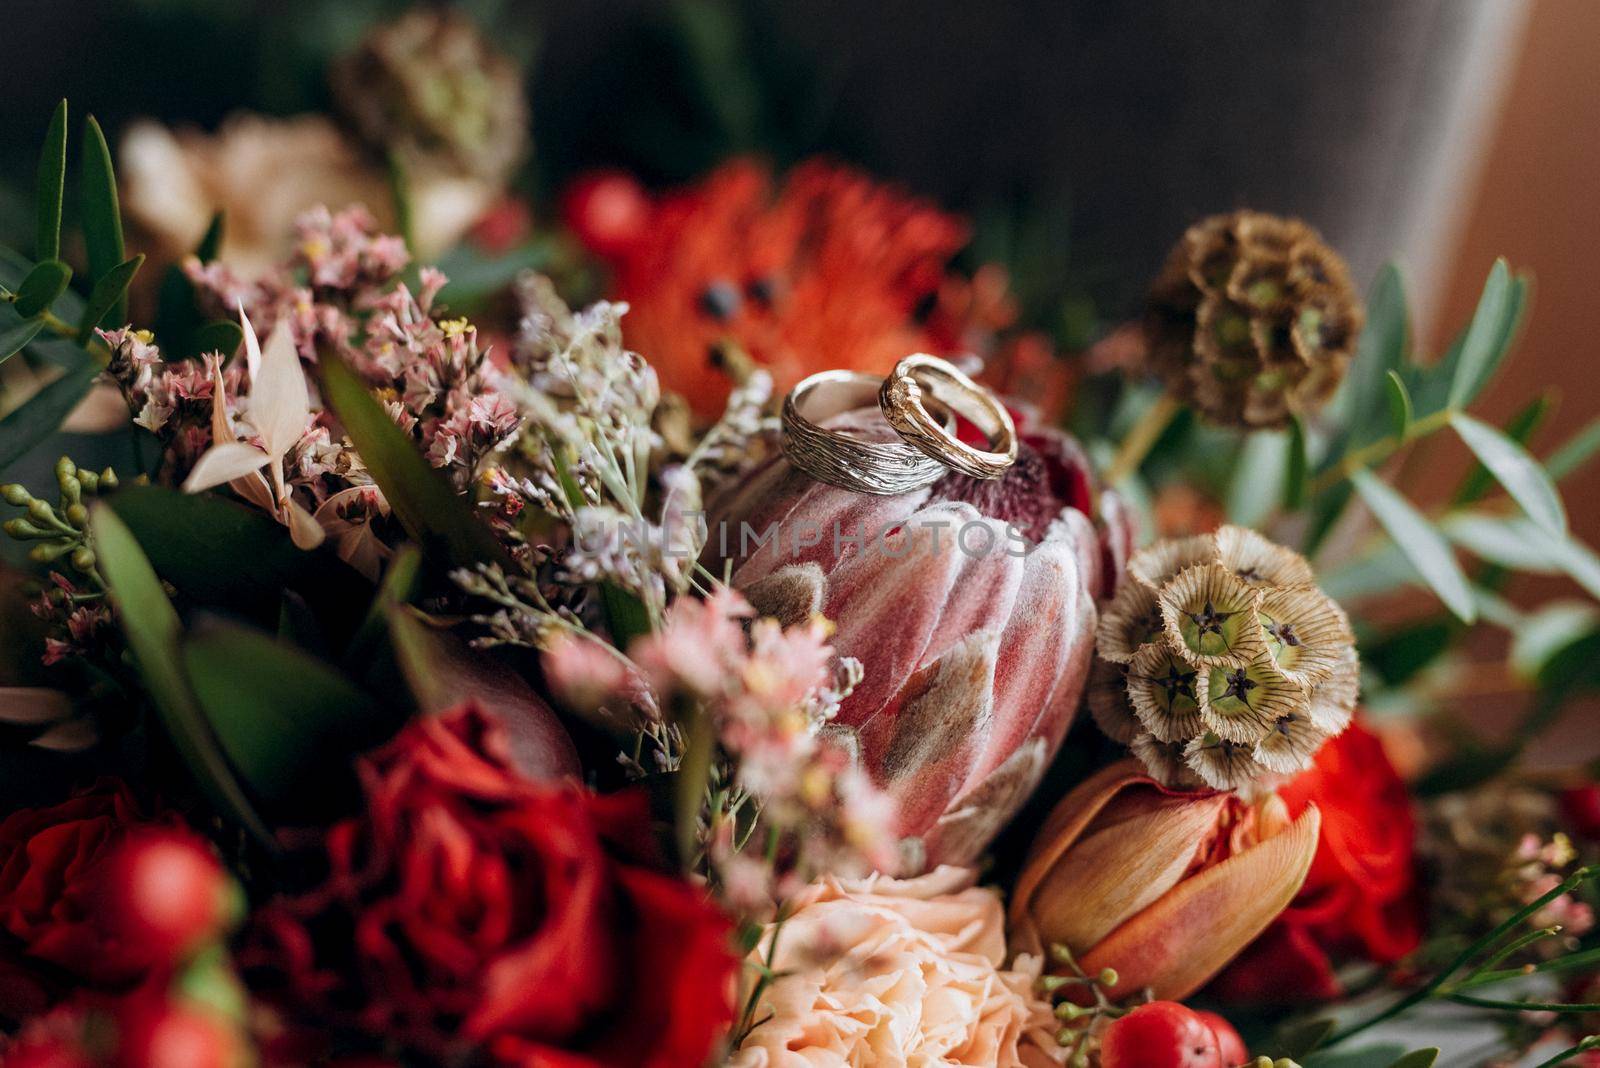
303 527
223 463
280 406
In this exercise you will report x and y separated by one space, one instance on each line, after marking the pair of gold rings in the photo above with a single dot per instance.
920 399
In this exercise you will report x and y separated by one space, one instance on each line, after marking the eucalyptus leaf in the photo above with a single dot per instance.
1298 1040
101 216
1546 631
154 632
1399 399
42 414
1512 466
177 318
1422 544
1381 348
222 336
51 186
109 294
1378 1056
1294 472
429 509
1519 428
1577 451
14 338
1522 545
1326 508
290 723
1418 1058
14 267
47 281
1479 355
1257 475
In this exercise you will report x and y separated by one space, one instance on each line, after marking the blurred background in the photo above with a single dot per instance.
1081 137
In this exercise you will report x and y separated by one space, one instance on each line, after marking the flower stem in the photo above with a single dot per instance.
1592 1042
1142 438
1377 451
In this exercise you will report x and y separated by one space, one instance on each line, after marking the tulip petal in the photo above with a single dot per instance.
223 462
1186 937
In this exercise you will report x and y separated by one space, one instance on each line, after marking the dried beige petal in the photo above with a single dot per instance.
1258 560
1240 703
1210 615
1289 745
1164 761
1306 633
1333 701
1161 562
1163 688
1221 764
1131 620
1109 704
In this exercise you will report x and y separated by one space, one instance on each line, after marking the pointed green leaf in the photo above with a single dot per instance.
1294 472
1578 450
14 267
1519 428
1399 404
1422 544
1254 487
1298 1040
1326 509
13 338
1520 544
101 214
1380 349
51 186
46 282
1485 340
42 414
222 336
153 633
1516 470
290 723
428 507
1418 1058
109 295
177 318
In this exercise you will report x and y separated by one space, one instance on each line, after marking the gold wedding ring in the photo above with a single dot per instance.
904 399
846 457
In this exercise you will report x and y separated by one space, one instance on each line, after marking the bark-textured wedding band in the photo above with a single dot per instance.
840 457
904 396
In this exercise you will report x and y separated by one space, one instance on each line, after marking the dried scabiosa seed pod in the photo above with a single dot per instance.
1220 662
1253 318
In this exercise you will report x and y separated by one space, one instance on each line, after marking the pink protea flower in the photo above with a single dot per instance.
970 604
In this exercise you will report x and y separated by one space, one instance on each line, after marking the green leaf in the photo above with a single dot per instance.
1294 471
221 336
42 414
14 338
39 290
1578 450
1546 631
1422 544
101 214
1399 399
1299 1040
109 295
177 318
429 509
1522 545
153 633
225 556
400 193
1515 470
1519 428
1418 1058
290 723
1484 345
14 267
1380 349
1326 508
51 186
1254 488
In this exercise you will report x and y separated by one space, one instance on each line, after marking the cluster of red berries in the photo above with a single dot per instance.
1165 1034
168 906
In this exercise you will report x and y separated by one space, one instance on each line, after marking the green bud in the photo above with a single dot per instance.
21 528
48 552
77 515
40 511
83 559
65 468
67 478
89 481
1068 1011
15 493
1108 977
108 479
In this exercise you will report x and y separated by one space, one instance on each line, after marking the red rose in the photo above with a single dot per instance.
50 879
471 907
1361 898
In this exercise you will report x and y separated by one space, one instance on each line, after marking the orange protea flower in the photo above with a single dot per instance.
828 268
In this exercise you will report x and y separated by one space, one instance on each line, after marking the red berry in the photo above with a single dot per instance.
167 894
1162 1034
46 1053
1229 1044
608 210
1581 805
154 1033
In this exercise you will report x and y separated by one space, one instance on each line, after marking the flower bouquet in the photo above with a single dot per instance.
717 630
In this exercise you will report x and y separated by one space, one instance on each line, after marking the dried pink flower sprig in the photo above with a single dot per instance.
787 801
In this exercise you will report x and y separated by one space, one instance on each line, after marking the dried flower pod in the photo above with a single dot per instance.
1253 318
433 87
1234 668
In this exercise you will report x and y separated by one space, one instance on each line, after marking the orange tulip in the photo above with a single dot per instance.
1163 887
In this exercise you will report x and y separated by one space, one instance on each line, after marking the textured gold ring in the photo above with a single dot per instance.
841 457
919 378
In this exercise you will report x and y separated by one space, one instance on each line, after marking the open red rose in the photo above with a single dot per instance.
1361 899
470 909
50 881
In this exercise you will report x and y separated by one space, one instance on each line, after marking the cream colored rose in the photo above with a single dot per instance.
886 972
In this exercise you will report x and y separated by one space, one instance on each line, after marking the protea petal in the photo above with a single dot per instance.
1176 944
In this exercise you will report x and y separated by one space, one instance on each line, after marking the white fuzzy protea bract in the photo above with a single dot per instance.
1221 662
